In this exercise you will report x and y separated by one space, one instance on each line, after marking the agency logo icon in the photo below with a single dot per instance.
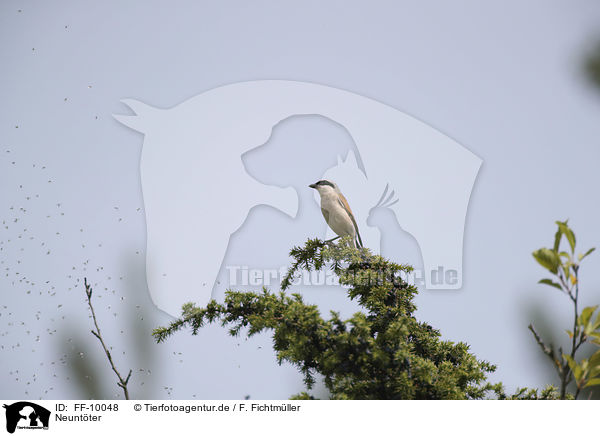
197 192
26 415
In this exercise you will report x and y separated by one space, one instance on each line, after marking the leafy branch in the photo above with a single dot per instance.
122 383
564 265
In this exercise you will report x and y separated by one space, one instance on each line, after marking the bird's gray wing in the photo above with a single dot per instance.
346 207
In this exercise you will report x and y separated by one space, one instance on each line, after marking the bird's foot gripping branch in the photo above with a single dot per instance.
382 352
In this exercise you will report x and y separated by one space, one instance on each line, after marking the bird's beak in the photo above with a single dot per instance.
312 186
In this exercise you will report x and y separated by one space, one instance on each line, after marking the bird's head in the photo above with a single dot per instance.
323 186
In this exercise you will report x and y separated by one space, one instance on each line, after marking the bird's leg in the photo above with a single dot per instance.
331 240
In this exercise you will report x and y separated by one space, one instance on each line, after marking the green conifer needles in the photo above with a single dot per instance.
382 352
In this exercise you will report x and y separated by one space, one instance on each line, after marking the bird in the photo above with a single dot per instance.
337 212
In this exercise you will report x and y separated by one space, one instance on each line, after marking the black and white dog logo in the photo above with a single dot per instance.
26 415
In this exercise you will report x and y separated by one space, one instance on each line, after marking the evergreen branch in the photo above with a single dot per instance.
381 353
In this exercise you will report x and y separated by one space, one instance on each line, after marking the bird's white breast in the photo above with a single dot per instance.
339 220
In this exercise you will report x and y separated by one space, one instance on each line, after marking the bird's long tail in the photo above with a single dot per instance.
359 242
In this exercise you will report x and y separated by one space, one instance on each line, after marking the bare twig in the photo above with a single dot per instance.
122 383
561 365
549 351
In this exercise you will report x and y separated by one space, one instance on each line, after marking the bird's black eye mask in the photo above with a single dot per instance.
325 183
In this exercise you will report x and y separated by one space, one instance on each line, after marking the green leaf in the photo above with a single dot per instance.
592 382
594 372
587 253
577 370
557 237
570 361
548 259
571 237
564 228
584 319
578 373
595 359
550 283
